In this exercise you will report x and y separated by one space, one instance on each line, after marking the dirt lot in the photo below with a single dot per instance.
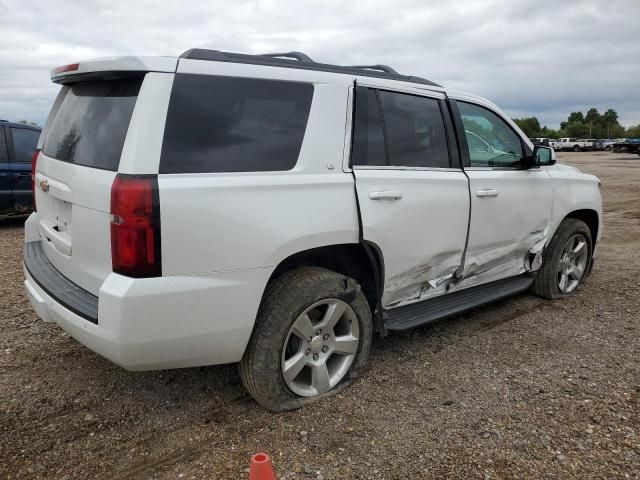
523 389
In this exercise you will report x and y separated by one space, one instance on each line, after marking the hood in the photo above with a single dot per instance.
567 168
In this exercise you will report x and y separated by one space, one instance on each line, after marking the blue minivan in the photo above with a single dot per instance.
17 144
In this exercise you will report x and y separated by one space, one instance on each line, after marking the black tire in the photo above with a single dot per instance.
576 148
546 283
287 297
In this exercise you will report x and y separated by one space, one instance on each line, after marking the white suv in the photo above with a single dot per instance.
277 212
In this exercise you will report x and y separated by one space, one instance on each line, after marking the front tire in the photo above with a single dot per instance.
566 262
311 339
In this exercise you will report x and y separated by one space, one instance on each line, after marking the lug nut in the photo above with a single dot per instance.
319 331
316 356
309 340
308 351
326 336
325 349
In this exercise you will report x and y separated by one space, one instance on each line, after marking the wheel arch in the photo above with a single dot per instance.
588 216
591 218
361 261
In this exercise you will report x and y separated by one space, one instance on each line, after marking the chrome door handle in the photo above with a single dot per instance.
487 193
386 195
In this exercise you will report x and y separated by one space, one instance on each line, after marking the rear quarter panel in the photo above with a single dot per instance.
217 222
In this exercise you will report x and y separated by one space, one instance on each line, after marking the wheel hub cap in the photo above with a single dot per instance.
316 344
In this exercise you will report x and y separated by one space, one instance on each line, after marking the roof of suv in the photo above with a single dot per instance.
297 60
302 61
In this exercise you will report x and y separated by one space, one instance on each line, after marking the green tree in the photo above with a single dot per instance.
576 129
575 117
633 132
610 116
610 124
593 117
530 126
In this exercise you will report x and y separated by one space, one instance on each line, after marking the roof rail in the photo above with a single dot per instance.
301 57
378 67
301 61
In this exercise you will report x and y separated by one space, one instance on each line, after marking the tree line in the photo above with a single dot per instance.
593 124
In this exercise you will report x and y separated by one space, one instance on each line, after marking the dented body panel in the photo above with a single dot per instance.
421 235
505 229
572 191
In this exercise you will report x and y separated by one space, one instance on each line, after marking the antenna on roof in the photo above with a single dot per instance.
301 57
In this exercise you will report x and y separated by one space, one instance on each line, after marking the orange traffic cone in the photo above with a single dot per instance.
261 468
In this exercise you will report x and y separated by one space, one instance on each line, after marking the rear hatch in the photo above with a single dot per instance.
79 159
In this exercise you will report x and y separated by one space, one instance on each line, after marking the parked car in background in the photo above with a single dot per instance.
575 144
554 143
277 212
540 141
596 143
17 144
607 143
631 145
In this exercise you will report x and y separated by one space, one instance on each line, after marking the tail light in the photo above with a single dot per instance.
34 162
135 226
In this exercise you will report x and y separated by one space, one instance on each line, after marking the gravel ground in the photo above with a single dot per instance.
525 388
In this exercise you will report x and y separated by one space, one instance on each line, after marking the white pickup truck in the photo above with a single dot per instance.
277 212
574 144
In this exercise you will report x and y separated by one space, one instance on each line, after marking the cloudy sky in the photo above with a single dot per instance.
532 57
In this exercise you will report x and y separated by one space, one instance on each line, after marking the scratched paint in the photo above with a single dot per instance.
503 261
422 281
439 276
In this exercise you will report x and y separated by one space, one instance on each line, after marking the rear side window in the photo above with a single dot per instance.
415 131
400 130
368 135
24 143
91 123
228 124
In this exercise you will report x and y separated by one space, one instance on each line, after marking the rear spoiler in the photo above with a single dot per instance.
112 67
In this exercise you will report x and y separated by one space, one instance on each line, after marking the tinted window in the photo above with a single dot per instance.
24 143
415 131
3 147
226 124
368 136
490 139
92 121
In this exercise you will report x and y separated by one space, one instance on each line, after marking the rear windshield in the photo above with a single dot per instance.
91 123
229 124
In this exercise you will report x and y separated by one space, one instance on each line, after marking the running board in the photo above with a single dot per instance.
415 314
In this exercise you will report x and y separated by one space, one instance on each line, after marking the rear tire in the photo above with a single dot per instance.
576 148
314 325
565 264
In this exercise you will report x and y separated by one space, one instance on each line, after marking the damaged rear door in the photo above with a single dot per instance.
510 206
412 193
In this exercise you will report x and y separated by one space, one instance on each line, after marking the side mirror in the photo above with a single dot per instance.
543 156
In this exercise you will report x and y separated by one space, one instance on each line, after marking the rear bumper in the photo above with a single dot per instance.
164 322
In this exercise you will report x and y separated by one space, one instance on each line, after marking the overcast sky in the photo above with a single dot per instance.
532 57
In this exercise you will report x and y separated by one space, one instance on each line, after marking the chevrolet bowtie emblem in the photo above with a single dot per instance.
44 185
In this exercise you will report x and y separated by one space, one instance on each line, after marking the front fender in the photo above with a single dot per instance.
572 191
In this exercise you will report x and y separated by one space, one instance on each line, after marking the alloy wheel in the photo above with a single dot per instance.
320 347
